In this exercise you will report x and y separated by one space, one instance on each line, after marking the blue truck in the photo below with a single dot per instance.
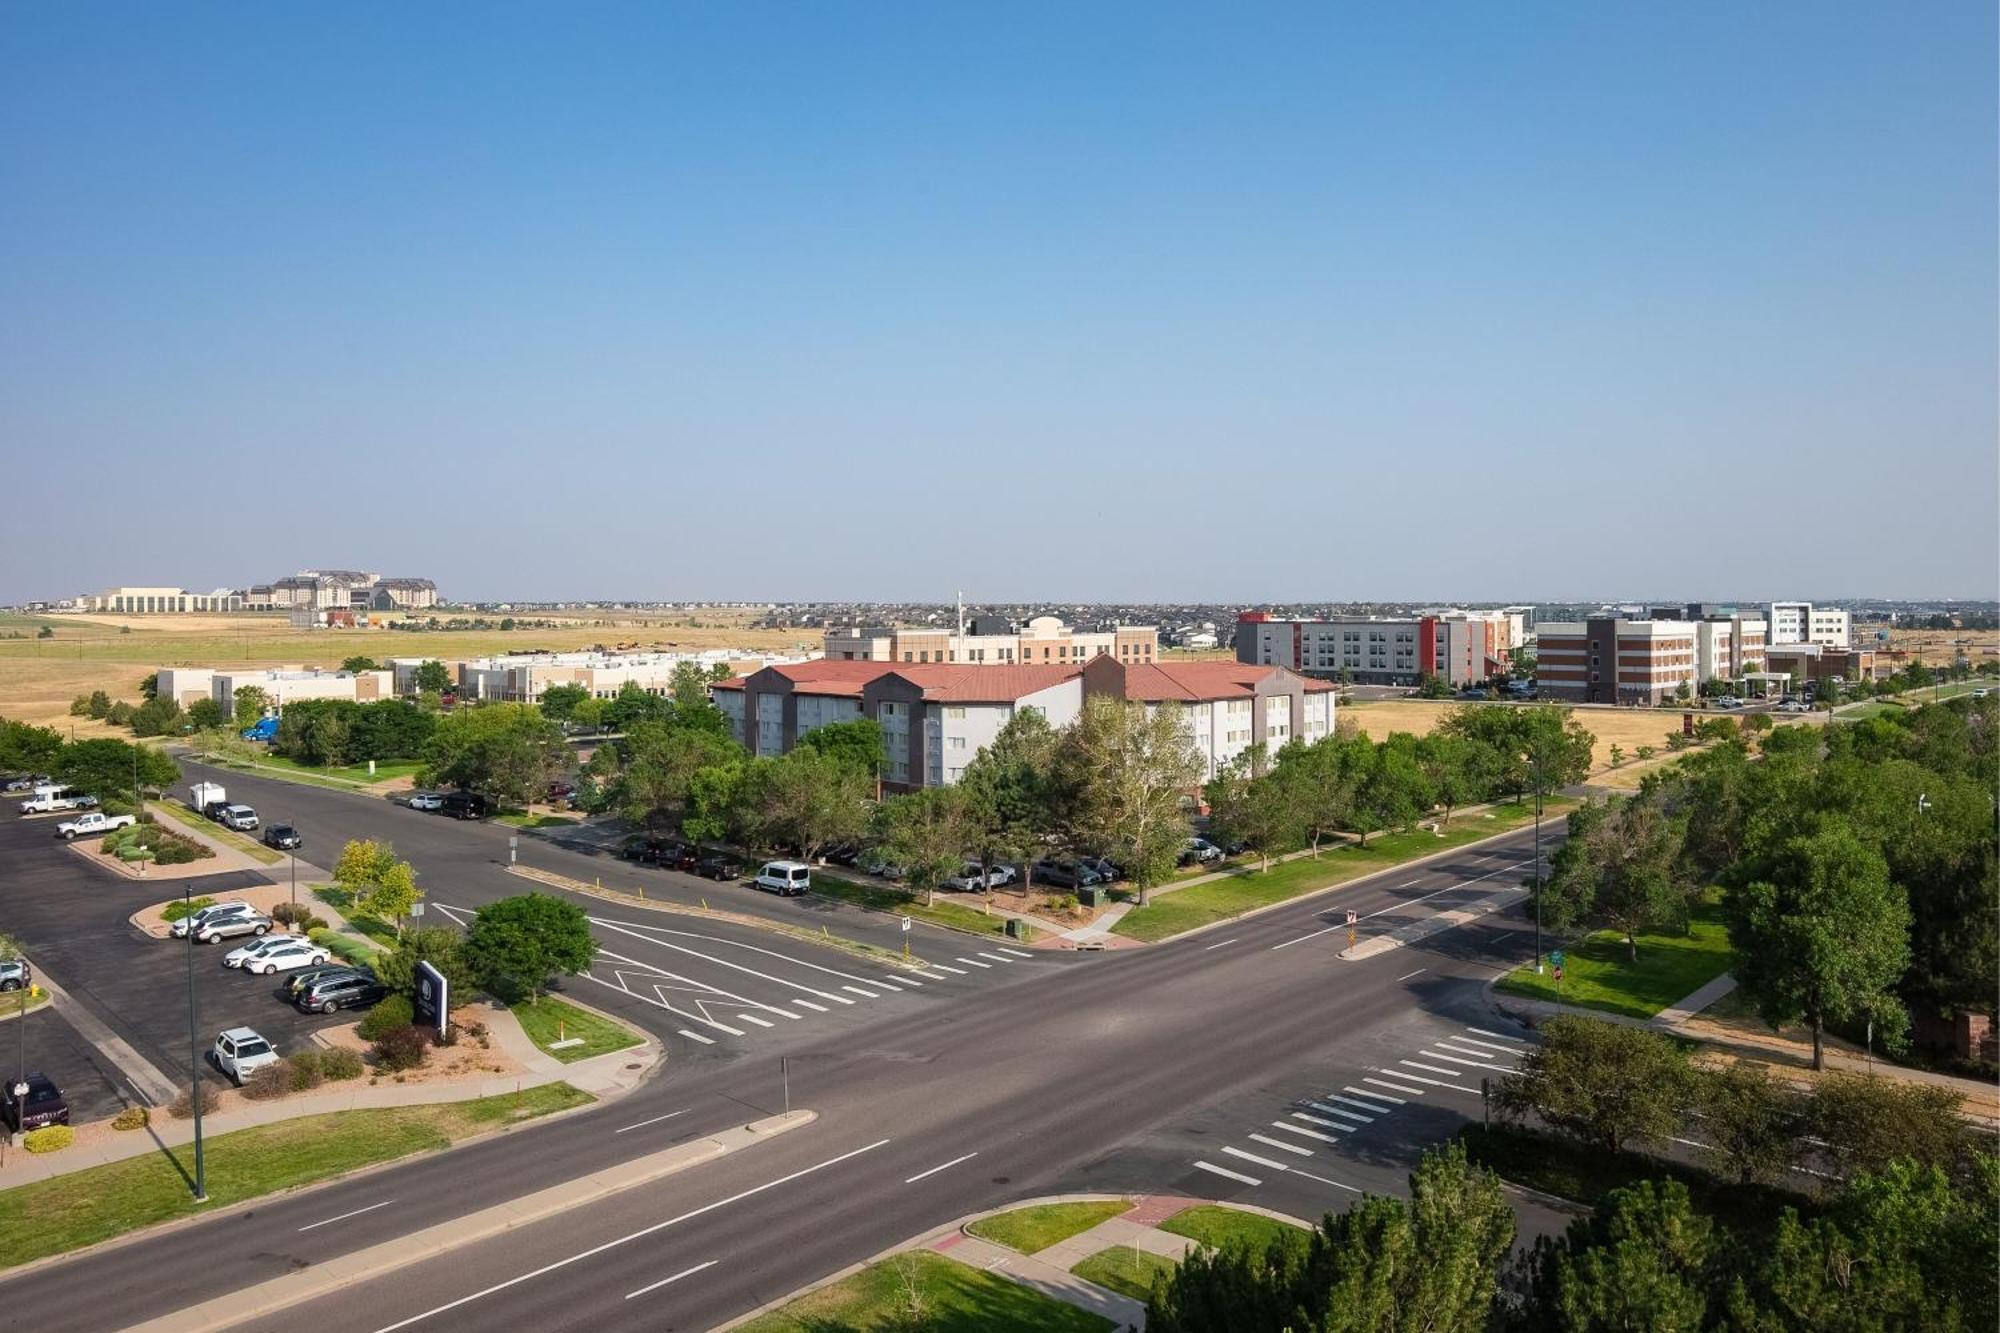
265 730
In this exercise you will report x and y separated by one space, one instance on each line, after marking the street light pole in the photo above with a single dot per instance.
1535 767
194 1050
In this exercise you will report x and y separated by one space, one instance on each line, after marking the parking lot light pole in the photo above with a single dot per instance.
194 1049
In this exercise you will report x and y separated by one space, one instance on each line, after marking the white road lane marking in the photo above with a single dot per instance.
1309 1133
808 1004
934 1170
654 1121
1500 1035
1405 905
1324 1181
970 963
627 927
595 1250
998 958
955 971
329 1221
1360 1106
1316 1120
1436 1069
696 1036
898 981
1385 1083
1018 953
1301 939
752 1018
1219 945
657 977
932 975
1253 1157
1281 1144
1407 975
1485 1046
813 991
1461 1060
873 995
1217 1170
1419 1078
685 1272
1378 1096
1343 1113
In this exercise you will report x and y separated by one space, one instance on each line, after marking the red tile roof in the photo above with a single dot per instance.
945 682
1198 682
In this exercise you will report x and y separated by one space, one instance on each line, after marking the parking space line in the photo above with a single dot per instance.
1279 1143
873 995
1253 1157
970 963
654 1121
1378 1096
329 1221
934 1170
696 1036
686 1272
1309 1133
752 1018
1384 1083
1233 1175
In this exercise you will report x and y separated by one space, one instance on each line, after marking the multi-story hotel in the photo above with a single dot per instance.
1802 622
1464 647
1605 660
994 641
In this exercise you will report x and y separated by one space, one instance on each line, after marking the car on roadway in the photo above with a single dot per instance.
284 837
428 801
40 1104
231 925
277 953
213 912
358 989
972 877
15 973
787 879
719 867
241 1052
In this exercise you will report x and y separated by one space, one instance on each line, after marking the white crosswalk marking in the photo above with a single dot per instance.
932 975
1253 1157
1501 1035
1461 1060
1375 1107
1316 1120
696 1036
1342 1112
1018 953
996 957
808 1004
1385 1083
1419 1078
1458 1047
955 971
901 981
1436 1069
1224 1171
1276 1143
971 962
1486 1045
1309 1133
1378 1096
869 994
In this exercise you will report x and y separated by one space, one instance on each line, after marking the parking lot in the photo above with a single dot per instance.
70 917
47 1042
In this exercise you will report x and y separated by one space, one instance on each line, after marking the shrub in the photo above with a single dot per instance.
401 1048
132 1117
269 1082
340 1063
344 947
120 714
49 1138
186 907
294 914
179 851
182 1106
136 854
392 1012
307 1071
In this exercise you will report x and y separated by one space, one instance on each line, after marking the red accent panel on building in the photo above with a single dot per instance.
1427 646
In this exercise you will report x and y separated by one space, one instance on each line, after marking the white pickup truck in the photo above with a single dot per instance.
84 826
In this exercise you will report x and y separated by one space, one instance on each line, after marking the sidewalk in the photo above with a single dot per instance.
604 1076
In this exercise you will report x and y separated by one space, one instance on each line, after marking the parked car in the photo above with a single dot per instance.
308 976
25 782
971 877
466 805
1794 706
561 793
241 1052
1727 701
213 912
91 824
1105 870
284 837
263 729
15 973
846 854
881 867
232 925
1981 693
1066 874
1201 850
718 866
787 879
277 953
356 990
426 800
42 1104
239 817
215 810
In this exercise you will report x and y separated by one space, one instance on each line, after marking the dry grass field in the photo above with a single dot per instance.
1934 647
1628 728
38 677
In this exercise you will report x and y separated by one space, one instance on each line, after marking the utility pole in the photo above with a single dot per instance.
194 1051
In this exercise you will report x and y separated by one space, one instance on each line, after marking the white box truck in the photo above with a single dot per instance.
204 794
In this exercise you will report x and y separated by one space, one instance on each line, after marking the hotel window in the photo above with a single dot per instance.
955 714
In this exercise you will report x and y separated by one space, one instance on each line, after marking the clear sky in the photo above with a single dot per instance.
1073 301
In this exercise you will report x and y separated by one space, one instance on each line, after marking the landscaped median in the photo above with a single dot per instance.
1245 889
215 833
1599 972
570 1033
83 1207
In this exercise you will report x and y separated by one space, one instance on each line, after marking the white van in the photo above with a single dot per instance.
787 879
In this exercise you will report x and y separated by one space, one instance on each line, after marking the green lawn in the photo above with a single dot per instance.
342 901
1124 1270
250 847
1170 914
1598 972
549 1020
99 1202
1042 1225
884 897
537 821
1220 1228
954 1299
385 769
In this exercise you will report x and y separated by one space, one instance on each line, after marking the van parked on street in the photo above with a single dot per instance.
787 879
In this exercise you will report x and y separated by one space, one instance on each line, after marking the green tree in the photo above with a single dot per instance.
1009 791
1865 1125
559 702
28 749
359 663
718 806
688 685
156 717
120 714
1824 937
659 763
99 705
149 686
856 745
1604 1083
378 883
515 945
433 676
1325 775
1456 770
1126 773
507 751
111 769
1264 809
1621 866
251 703
926 833
1750 1122
633 704
1433 687
80 706
204 713
440 946
1645 1259
1395 793
809 801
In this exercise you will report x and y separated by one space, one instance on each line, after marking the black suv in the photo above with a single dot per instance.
357 990
718 867
44 1104
284 837
467 805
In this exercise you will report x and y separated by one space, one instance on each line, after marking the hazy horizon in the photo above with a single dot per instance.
823 303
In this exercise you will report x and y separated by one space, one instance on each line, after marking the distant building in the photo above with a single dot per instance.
1804 662
285 685
1802 622
159 601
993 641
1729 644
1464 647
523 677
1609 660
1229 706
341 590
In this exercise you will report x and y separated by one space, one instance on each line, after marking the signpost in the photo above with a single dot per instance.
1353 920
433 1006
1556 961
513 847
906 937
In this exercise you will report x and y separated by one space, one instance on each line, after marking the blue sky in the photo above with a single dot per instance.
1048 301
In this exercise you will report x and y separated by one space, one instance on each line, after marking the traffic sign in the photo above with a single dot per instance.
906 925
1556 957
1559 971
1352 918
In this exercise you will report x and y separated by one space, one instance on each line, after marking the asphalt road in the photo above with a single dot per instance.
1023 1078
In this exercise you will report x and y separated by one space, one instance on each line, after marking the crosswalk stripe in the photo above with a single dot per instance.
1419 1078
1378 1096
1018 953
1361 1105
1435 1069
969 962
1279 1143
1501 1035
696 1036
856 990
1309 1133
808 1004
1461 1060
1385 1083
932 975
1233 1175
1315 1120
1355 1116
1459 1046
996 957
955 971
902 981
752 1018
1486 1045
1253 1157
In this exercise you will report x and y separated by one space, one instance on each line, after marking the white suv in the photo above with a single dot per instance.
240 1052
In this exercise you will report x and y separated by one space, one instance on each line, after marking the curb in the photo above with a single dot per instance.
376 1261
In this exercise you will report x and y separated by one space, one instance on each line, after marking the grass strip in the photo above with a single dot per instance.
84 1207
1220 1228
1600 973
887 898
1246 889
549 1020
1041 1225
923 1290
250 847
1124 1270
386 770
